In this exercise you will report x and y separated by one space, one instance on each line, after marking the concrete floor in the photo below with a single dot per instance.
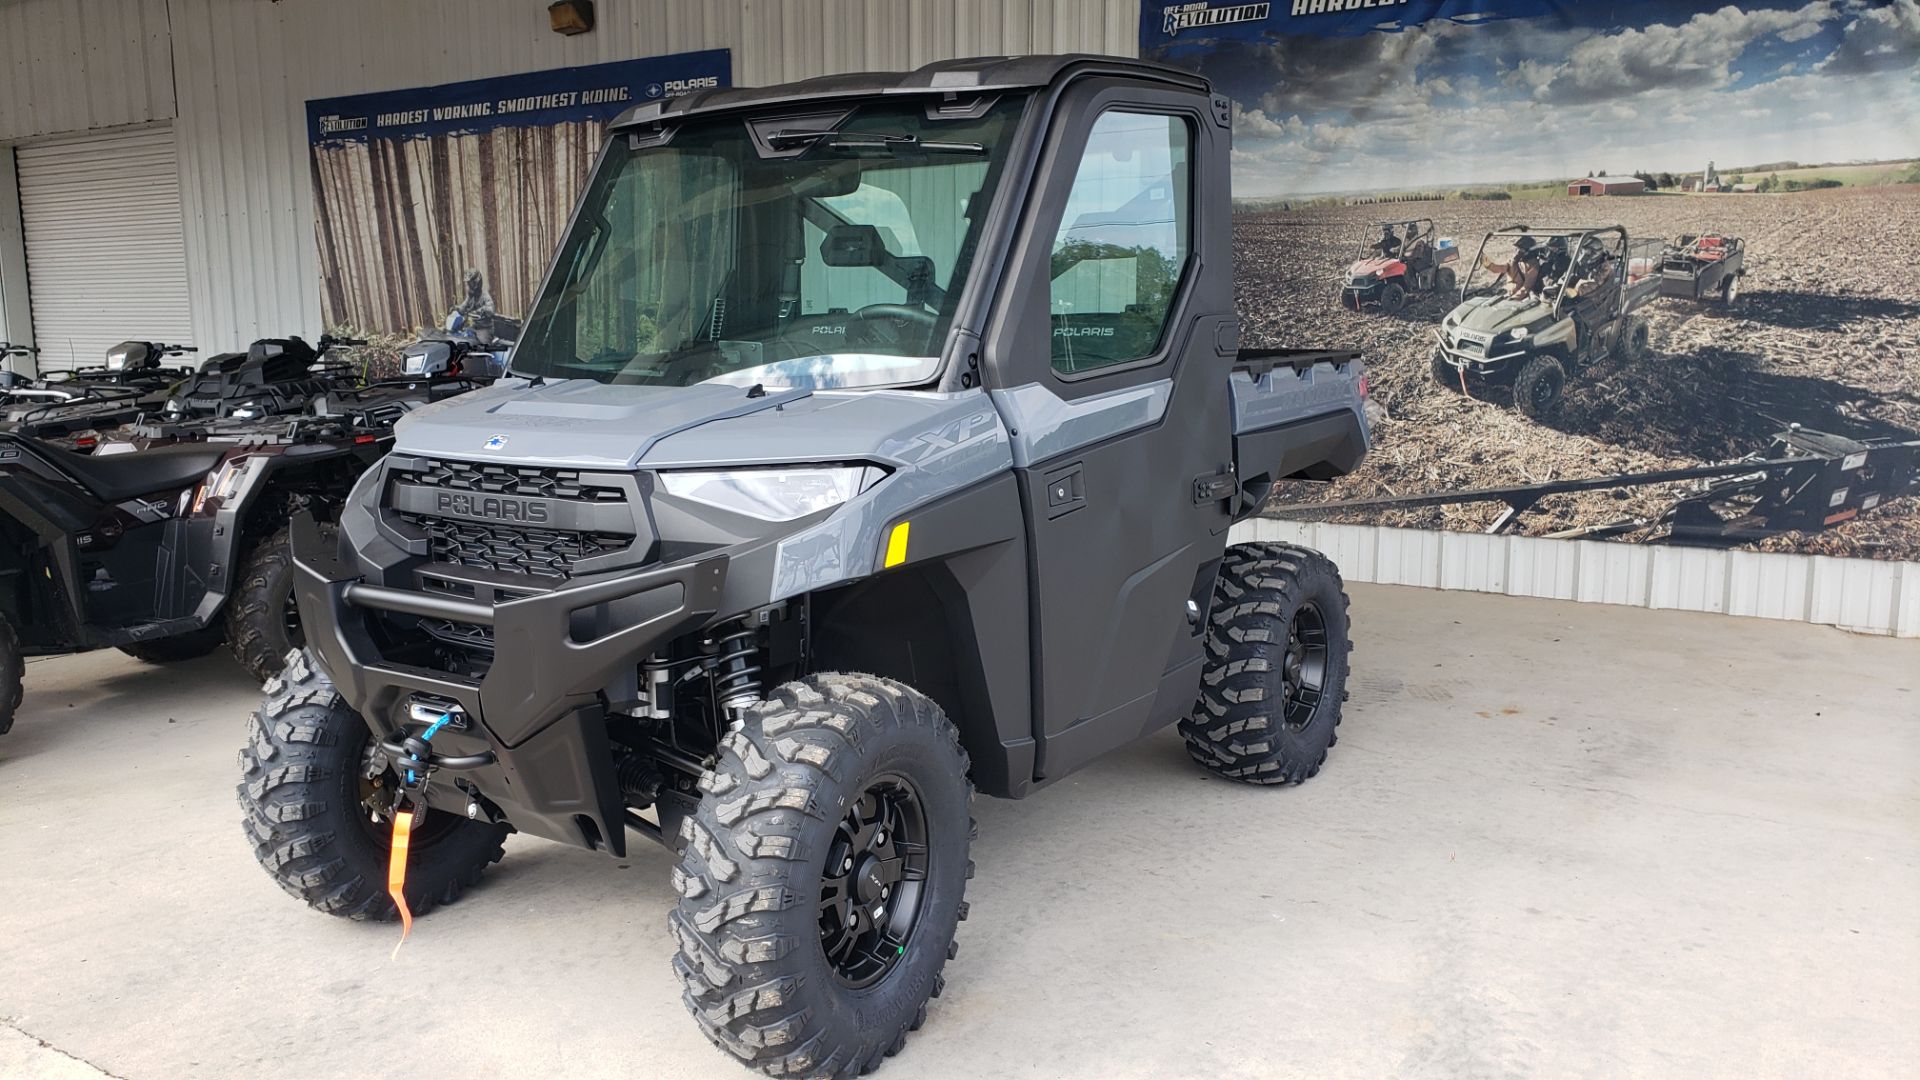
1554 840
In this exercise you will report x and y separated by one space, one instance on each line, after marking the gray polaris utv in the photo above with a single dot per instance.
1531 341
873 440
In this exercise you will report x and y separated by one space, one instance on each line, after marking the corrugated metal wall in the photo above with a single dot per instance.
74 65
1865 595
246 70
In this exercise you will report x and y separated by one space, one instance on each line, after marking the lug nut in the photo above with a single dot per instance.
846 866
473 810
853 920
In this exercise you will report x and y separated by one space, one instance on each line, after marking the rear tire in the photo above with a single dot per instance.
13 672
172 650
774 859
1443 280
304 791
1636 339
1392 298
1538 388
1729 290
263 621
1276 674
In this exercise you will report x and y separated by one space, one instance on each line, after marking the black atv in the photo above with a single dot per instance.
172 537
74 407
274 377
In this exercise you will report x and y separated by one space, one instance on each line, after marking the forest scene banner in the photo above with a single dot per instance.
1642 271
415 190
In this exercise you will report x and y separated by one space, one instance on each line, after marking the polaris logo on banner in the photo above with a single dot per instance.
1178 17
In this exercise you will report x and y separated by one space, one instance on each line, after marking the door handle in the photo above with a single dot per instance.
1066 490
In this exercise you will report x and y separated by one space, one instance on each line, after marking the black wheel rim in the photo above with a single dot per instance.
1304 672
873 883
1545 390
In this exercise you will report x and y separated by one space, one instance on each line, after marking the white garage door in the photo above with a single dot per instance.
105 259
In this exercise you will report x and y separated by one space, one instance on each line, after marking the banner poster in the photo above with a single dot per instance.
1638 271
442 197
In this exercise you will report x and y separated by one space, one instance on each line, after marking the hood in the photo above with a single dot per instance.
1494 315
573 423
1375 265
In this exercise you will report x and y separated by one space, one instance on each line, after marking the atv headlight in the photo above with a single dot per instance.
776 494
1518 333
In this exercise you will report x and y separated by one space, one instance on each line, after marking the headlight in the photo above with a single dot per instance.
244 412
1518 333
771 494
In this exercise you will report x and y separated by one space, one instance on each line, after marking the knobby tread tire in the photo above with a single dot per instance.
13 673
256 613
754 974
1237 730
300 786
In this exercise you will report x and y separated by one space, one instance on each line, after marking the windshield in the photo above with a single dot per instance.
812 252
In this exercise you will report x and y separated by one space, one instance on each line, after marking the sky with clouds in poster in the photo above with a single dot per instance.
1439 92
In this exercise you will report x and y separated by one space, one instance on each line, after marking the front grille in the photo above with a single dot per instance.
523 480
512 549
585 515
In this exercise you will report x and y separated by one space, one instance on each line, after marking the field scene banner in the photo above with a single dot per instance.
415 190
1653 270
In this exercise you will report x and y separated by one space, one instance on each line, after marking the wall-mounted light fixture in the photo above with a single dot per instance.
570 16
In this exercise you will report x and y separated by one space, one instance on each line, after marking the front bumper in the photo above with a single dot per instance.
1482 363
537 713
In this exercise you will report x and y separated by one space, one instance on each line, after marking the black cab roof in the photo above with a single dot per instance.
958 77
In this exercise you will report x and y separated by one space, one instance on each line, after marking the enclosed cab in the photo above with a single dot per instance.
873 440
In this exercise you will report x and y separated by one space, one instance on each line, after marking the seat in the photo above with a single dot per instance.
154 471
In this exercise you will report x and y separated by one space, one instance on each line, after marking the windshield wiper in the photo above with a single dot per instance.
872 140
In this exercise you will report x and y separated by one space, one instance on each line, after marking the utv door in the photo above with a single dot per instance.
1110 360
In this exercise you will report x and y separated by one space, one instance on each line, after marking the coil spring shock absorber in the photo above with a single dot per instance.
736 667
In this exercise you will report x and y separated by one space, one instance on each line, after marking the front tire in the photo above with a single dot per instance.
307 800
823 875
1276 675
263 621
1539 386
1392 298
13 672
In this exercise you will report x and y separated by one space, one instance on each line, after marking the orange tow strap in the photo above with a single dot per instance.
397 875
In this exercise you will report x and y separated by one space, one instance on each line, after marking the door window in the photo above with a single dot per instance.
1123 242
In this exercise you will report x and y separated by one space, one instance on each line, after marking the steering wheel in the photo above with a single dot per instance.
901 315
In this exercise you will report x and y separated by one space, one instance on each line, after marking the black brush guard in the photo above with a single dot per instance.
532 743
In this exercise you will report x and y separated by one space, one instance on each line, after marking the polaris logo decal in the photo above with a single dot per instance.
498 442
834 330
1083 331
492 507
